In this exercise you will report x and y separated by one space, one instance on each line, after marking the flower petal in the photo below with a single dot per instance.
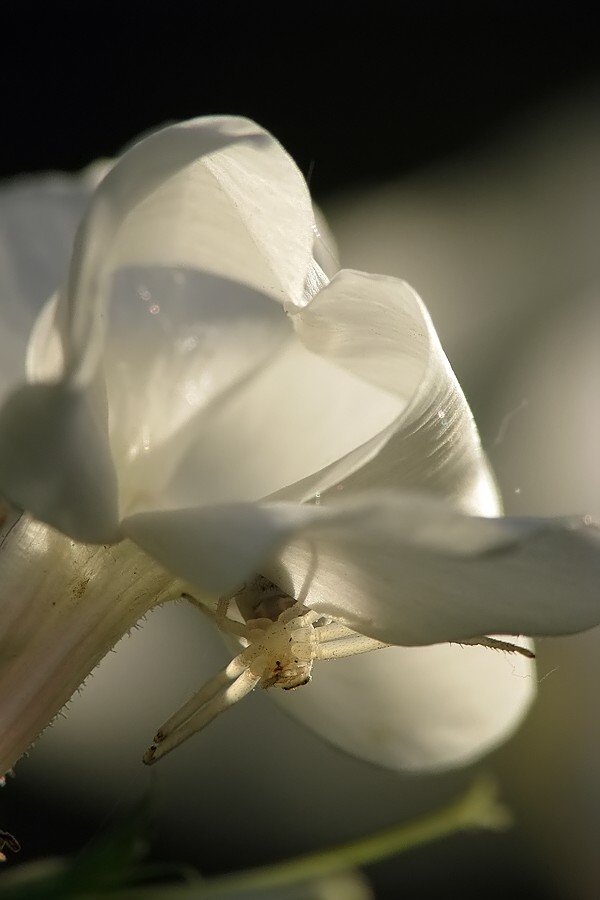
217 194
378 328
55 461
54 457
411 569
38 219
180 344
288 418
220 197
325 249
407 570
416 708
214 548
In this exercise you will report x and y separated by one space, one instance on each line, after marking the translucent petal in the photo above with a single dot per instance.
55 461
217 194
38 220
410 569
407 570
378 328
414 709
179 344
213 548
211 397
217 221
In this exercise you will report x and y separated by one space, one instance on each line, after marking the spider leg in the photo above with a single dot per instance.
300 612
347 646
220 617
217 695
333 631
497 644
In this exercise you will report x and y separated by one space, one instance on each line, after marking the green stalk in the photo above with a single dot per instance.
478 808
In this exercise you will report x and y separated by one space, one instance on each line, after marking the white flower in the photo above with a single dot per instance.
210 399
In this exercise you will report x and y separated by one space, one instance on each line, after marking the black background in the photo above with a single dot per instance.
353 92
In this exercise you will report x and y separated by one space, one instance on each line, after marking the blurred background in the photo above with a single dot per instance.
456 146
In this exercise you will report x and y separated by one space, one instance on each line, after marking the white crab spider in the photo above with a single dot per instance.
280 647
281 639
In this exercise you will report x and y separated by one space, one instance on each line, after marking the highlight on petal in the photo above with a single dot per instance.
378 328
416 708
325 249
55 462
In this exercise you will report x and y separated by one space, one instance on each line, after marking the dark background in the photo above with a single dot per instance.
354 94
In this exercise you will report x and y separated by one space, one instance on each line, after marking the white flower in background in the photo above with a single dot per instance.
213 411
